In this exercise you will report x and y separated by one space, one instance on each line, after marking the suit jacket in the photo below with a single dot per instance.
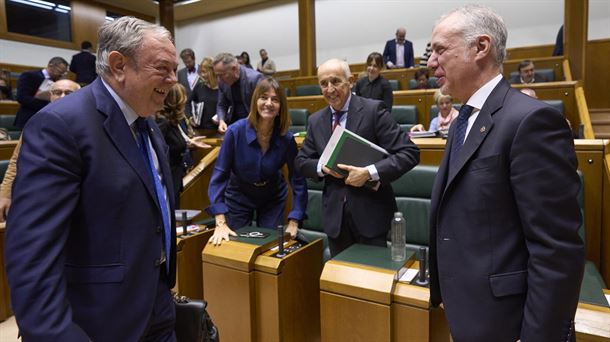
389 52
248 79
505 255
372 210
27 86
183 79
83 65
85 232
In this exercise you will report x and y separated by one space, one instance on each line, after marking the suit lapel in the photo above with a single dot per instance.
121 135
354 114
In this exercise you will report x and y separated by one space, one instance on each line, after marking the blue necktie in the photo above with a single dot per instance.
460 132
337 118
144 143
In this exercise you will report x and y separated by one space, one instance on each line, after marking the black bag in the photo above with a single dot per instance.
193 324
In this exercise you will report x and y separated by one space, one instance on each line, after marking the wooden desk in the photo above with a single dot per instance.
189 276
5 299
592 322
254 296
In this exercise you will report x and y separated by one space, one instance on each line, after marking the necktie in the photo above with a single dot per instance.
460 131
337 118
144 142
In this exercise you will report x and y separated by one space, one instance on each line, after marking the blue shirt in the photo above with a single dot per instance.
241 159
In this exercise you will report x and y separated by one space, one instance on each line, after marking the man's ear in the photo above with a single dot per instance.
117 62
483 46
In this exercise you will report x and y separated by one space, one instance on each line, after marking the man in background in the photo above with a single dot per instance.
188 75
90 241
266 66
398 53
83 64
506 260
527 74
235 87
58 90
358 208
33 89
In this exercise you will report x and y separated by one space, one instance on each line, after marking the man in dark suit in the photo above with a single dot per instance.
353 212
83 64
506 259
527 74
90 245
188 75
33 89
234 89
398 53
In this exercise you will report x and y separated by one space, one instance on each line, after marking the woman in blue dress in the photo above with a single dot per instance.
248 175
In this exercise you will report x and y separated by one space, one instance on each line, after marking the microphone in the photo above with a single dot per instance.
280 238
423 260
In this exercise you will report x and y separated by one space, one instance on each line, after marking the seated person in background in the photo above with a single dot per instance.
58 90
373 85
527 74
245 59
446 115
248 172
206 93
5 89
421 79
171 121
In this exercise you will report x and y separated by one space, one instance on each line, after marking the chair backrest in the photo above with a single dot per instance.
309 89
547 74
413 192
394 84
299 119
432 82
557 104
434 109
314 206
6 121
3 167
405 116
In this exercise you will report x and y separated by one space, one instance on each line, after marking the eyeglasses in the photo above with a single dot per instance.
59 92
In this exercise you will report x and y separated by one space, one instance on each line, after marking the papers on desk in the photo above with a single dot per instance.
191 228
423 134
409 275
607 298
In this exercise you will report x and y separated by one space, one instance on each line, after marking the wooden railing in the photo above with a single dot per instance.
605 235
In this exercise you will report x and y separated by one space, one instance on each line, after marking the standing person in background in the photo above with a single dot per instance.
248 178
245 59
205 95
266 66
90 239
187 76
33 89
83 64
398 53
353 212
58 90
374 85
423 61
506 260
235 87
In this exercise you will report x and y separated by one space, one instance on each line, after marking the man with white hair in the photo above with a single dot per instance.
90 245
506 259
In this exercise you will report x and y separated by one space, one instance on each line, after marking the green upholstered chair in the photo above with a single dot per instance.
312 226
557 104
299 119
431 83
3 167
6 121
307 90
434 110
394 84
547 74
405 116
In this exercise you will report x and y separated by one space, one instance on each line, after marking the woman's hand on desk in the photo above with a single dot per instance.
221 232
198 142
293 228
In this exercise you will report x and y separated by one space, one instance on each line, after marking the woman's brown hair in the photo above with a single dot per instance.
282 121
173 106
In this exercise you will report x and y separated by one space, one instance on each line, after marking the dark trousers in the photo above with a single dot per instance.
349 235
162 321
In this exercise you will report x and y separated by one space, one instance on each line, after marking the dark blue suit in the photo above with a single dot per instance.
248 79
85 233
27 86
83 65
389 53
505 255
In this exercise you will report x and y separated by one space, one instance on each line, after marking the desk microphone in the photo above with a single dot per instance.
423 260
184 224
280 239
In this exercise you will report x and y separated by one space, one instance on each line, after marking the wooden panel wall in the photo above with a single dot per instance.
597 86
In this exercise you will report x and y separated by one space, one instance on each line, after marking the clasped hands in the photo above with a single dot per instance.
357 176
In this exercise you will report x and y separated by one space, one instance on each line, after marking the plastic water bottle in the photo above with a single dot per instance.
399 230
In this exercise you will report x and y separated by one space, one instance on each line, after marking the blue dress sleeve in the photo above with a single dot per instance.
221 174
298 184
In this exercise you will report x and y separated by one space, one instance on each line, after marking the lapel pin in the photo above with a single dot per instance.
482 129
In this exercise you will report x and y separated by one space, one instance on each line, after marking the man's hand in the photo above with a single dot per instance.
198 142
417 128
5 204
332 172
357 176
293 228
222 126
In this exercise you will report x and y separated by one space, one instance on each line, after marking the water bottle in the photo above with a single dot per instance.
399 230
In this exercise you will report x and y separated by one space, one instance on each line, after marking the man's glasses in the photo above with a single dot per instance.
59 92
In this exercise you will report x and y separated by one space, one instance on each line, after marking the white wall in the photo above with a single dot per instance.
13 52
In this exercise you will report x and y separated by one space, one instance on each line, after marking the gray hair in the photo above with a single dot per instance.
126 36
343 64
480 20
225 58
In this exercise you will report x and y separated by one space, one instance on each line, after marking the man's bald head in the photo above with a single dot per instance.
62 88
